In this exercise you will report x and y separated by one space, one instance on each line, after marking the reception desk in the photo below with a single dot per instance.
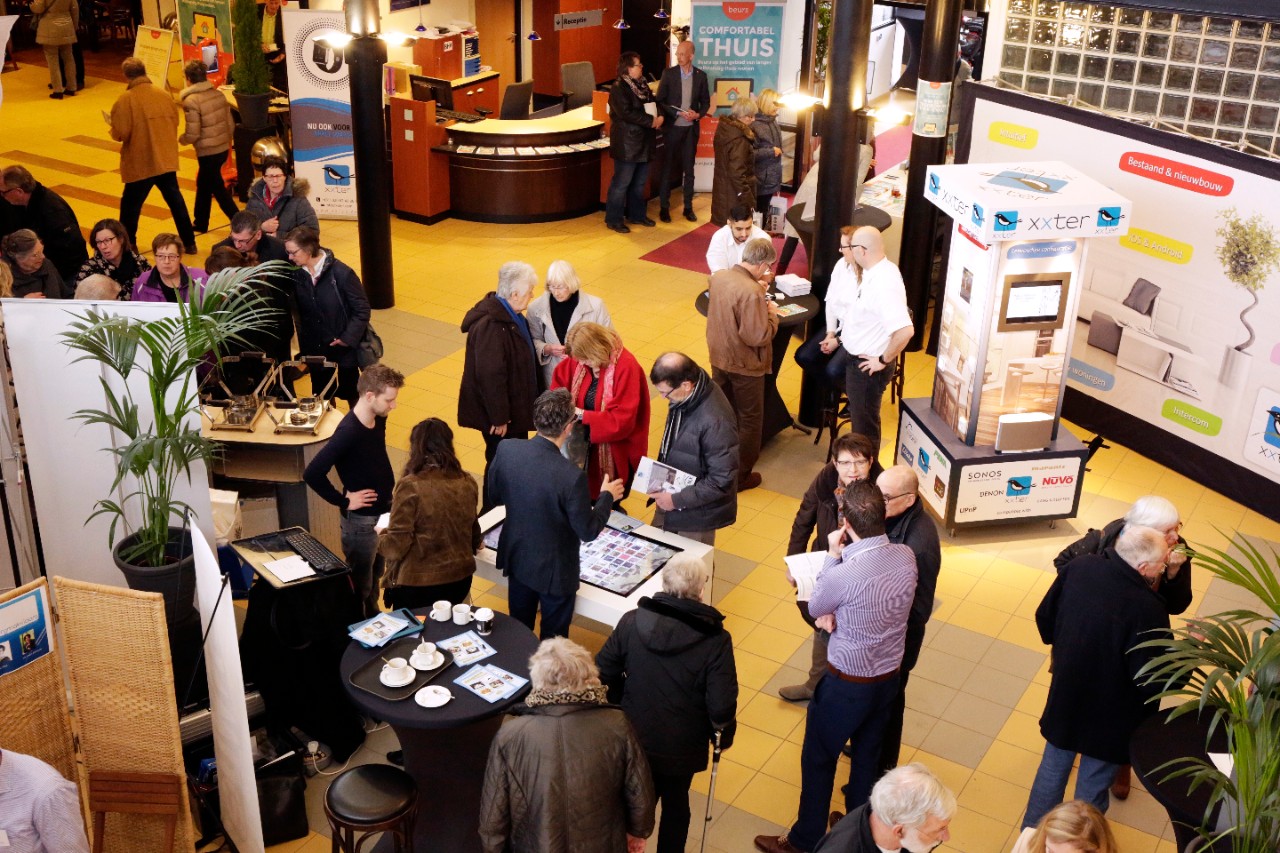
532 170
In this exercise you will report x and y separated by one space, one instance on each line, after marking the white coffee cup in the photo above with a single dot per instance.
396 669
425 650
484 621
440 611
461 614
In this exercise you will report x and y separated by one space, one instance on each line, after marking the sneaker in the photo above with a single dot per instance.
664 215
750 481
689 215
796 693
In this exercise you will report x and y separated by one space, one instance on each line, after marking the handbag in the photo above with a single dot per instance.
369 351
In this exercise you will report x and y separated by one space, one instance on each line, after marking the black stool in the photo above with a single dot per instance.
368 799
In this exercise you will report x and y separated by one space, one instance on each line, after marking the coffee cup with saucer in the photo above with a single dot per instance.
432 696
426 656
396 673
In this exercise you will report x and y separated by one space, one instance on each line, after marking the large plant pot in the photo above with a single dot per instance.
1235 367
253 109
176 581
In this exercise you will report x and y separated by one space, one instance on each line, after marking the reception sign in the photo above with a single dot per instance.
320 106
204 29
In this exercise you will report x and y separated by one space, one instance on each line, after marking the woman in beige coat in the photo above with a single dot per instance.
210 129
56 32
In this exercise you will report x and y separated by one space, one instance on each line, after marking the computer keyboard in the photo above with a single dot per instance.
319 557
457 116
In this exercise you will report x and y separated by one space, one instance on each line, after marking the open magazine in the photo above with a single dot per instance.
653 476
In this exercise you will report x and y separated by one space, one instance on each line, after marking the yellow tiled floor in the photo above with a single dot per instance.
974 699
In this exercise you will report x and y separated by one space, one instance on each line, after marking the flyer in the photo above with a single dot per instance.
467 648
490 683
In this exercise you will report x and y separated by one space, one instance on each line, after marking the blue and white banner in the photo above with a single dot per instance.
24 630
737 44
320 106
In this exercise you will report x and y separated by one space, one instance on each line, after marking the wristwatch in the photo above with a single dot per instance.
883 363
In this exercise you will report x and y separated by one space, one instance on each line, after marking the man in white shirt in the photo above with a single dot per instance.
39 810
727 244
873 321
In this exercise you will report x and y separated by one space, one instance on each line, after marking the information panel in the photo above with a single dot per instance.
1033 488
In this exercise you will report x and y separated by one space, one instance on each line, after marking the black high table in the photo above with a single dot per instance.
776 415
446 748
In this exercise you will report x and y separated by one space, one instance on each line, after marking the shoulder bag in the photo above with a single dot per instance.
370 349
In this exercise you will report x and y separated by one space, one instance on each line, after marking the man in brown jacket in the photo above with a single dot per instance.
145 119
741 324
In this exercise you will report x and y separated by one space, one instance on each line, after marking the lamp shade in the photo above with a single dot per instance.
533 36
621 24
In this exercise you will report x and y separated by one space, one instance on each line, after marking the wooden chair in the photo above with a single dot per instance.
134 793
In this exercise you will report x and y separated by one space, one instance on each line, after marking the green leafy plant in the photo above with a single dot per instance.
821 38
1228 665
1249 251
160 442
249 72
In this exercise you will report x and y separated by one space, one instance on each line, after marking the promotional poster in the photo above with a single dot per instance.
320 103
204 30
1176 349
24 630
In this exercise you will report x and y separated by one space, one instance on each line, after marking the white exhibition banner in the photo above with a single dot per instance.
1016 488
237 786
320 110
1178 323
919 451
6 27
69 467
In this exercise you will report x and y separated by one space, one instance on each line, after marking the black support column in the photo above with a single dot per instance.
365 57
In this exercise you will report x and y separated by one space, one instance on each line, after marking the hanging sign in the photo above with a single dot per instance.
579 20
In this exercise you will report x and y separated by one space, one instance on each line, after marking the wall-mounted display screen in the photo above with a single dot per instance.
1033 301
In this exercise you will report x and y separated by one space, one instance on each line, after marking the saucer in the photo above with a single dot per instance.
408 679
432 696
417 663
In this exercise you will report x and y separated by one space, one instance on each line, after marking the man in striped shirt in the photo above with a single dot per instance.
863 596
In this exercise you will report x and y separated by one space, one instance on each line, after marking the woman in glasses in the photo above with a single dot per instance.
171 280
280 202
114 257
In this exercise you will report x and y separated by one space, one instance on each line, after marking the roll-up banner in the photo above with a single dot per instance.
204 30
320 109
1176 352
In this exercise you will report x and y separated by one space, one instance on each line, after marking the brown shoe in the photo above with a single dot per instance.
750 481
1120 787
796 693
833 819
775 844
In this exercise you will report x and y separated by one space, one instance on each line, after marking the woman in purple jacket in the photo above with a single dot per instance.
169 281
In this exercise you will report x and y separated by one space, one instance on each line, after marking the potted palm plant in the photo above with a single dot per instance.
158 440
1228 666
249 73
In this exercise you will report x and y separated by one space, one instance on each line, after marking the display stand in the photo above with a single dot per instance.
593 602
987 445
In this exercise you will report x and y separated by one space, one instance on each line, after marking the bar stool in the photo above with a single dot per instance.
369 799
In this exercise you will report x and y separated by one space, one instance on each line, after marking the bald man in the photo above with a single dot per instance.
684 96
907 523
873 322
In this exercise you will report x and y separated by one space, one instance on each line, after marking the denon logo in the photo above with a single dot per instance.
1058 481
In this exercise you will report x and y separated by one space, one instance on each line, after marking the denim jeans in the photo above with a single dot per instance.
627 190
360 550
1092 782
840 711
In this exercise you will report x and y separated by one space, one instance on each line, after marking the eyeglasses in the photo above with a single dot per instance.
292 252
852 246
274 177
4 193
106 241
167 257
857 463
888 498
239 242
666 395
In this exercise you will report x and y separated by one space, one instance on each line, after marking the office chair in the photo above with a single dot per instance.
577 82
516 99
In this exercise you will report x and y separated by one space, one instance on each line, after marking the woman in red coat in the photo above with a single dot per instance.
609 388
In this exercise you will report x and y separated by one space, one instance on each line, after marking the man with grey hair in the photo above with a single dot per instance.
30 204
500 370
909 810
741 325
549 513
684 96
1099 608
98 286
670 664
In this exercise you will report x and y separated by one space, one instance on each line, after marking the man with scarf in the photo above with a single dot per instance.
700 438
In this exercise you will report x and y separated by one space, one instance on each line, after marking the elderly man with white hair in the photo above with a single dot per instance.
670 664
99 287
499 373
566 774
909 810
1099 608
1173 585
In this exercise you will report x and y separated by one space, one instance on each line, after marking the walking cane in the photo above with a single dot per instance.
711 790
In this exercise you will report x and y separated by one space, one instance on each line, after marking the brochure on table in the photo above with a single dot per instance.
593 602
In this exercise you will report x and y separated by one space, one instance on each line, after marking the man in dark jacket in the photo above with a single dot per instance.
909 810
670 665
258 248
500 370
684 96
39 208
907 523
1099 608
549 514
700 438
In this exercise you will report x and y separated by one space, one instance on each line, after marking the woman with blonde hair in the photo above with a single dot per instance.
609 389
768 149
555 312
1072 827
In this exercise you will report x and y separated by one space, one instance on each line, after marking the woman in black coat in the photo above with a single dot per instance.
333 311
633 117
671 663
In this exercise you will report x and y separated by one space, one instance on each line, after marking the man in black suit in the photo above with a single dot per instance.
549 513
684 97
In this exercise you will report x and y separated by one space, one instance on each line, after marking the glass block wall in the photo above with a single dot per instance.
1214 78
